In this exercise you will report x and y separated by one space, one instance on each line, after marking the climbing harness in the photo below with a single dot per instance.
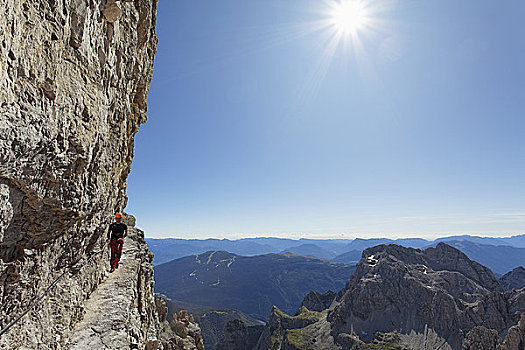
38 299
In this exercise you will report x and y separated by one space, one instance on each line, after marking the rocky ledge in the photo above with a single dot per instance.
122 314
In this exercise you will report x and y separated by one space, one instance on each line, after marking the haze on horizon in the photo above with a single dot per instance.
334 119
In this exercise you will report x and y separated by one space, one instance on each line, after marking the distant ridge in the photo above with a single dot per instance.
517 241
251 285
499 258
505 257
310 249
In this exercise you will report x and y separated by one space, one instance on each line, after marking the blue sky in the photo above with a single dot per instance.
260 125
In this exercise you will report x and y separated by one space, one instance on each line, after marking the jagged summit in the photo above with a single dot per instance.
514 279
443 258
404 289
428 299
315 301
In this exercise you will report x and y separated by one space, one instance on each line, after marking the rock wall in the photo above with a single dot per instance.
405 289
482 338
514 279
74 77
239 337
318 302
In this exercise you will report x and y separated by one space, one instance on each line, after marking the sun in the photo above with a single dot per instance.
348 16
344 29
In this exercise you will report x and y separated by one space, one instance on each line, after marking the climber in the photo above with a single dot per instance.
116 233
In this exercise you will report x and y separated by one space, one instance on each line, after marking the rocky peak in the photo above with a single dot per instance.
446 257
315 301
406 298
398 259
514 279
404 289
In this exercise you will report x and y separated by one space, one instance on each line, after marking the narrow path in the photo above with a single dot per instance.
110 311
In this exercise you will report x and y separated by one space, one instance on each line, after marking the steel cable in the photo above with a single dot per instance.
38 299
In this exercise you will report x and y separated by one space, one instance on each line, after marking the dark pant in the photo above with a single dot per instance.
116 251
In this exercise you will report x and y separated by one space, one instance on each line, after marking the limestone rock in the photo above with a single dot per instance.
162 308
397 288
213 324
481 338
112 11
183 333
234 336
280 320
318 302
514 279
283 331
73 90
515 339
432 299
428 340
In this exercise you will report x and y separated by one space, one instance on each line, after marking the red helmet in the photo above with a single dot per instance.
118 216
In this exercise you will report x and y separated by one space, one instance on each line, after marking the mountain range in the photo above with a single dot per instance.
252 285
499 254
234 287
400 298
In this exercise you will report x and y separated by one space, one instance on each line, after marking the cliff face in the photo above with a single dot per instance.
514 279
74 77
397 288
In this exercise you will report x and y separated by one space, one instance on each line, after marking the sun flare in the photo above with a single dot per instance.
345 28
348 16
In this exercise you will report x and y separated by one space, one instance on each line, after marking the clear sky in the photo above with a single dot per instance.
281 118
